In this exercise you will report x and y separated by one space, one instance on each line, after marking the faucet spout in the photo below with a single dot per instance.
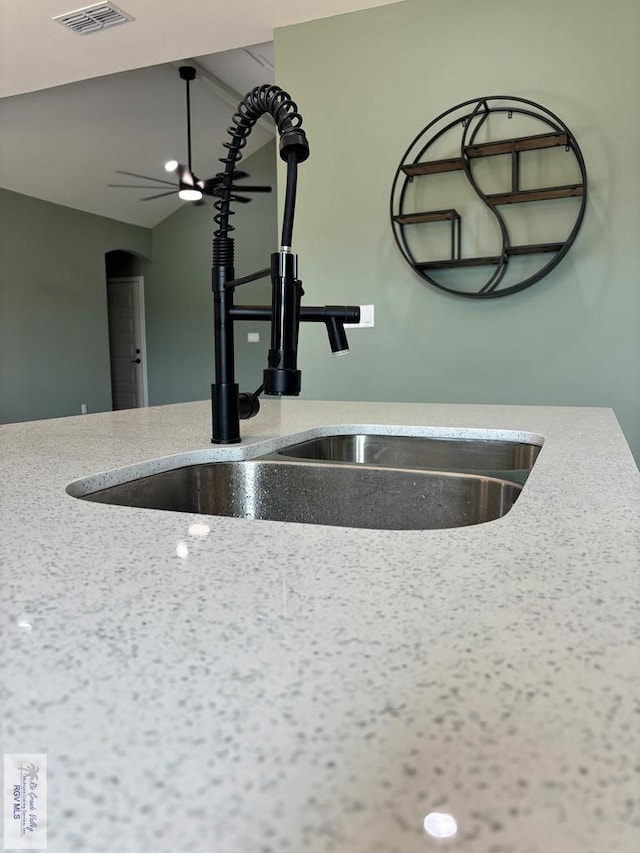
282 376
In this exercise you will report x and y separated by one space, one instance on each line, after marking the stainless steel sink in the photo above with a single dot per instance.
321 493
504 459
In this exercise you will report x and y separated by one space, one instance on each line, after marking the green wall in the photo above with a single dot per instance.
54 345
367 83
179 304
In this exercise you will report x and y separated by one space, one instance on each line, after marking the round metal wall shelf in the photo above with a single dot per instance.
498 170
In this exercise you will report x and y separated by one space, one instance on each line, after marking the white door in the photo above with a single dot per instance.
125 299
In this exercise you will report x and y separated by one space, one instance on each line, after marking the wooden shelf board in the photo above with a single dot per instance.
488 149
458 262
535 249
536 195
527 249
426 216
523 143
431 167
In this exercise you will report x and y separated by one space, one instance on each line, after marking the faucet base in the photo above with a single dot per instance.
227 402
225 413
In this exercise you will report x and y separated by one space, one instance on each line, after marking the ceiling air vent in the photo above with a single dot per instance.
93 18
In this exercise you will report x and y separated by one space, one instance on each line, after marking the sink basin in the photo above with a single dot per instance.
505 459
321 493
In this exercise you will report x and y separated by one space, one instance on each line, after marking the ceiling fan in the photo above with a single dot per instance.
189 186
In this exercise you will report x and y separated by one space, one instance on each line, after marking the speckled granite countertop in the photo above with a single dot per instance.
251 686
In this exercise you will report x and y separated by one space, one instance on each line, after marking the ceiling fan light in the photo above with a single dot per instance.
171 165
189 194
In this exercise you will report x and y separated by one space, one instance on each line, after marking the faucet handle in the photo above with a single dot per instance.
282 378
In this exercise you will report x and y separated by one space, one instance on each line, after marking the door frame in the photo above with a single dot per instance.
139 320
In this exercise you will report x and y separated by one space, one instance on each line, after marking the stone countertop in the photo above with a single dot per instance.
214 684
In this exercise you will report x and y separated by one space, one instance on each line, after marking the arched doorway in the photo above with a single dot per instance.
127 336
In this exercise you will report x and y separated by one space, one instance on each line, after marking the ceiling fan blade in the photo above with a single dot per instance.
240 198
139 186
255 189
209 185
160 195
213 188
186 177
145 177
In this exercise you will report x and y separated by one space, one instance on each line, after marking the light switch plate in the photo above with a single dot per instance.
367 318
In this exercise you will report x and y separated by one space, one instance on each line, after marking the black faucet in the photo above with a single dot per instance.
281 377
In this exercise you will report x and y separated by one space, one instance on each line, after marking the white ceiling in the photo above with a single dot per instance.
65 144
75 108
